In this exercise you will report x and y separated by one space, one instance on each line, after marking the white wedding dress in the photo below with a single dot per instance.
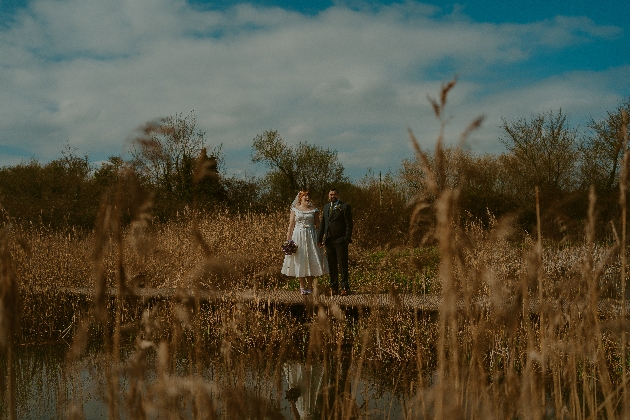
309 259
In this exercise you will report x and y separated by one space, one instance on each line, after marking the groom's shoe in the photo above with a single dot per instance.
344 293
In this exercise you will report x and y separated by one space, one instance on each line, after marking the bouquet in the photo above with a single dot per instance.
289 247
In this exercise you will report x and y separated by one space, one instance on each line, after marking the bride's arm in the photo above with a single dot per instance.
291 225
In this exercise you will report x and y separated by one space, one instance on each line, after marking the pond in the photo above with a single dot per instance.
48 386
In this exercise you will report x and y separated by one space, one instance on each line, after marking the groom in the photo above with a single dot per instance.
335 232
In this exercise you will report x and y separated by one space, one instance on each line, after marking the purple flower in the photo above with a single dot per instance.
289 247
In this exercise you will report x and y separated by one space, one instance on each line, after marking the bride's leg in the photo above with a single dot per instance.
302 284
309 283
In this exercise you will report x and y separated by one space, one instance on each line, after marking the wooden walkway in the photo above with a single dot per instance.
278 297
426 303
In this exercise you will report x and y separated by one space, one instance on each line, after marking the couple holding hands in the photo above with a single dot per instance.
334 232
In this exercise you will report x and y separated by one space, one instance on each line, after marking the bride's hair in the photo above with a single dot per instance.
301 195
298 198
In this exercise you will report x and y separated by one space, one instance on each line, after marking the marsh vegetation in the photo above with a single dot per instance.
521 332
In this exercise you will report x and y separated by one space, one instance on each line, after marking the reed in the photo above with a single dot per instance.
519 335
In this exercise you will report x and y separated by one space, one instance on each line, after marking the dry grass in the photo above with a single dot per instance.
182 358
165 255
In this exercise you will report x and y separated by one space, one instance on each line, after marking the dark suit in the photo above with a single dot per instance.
335 231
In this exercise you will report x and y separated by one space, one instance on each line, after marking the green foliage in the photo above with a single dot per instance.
405 269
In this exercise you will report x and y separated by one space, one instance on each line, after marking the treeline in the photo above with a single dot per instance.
172 165
545 154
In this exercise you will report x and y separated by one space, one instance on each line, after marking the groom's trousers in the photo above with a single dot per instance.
337 254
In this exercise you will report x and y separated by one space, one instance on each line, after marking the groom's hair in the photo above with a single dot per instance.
333 189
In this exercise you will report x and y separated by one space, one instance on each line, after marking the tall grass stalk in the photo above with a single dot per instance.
9 319
520 333
623 188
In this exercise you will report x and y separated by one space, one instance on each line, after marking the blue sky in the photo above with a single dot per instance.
347 75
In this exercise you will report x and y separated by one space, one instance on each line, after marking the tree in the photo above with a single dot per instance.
602 158
382 219
481 178
303 167
543 153
59 194
244 194
108 172
602 152
166 153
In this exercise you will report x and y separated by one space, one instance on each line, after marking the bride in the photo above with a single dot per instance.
308 261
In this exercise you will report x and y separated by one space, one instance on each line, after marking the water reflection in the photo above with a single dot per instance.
47 389
304 384
331 390
50 388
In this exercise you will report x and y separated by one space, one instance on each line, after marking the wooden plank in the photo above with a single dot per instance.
425 303
277 296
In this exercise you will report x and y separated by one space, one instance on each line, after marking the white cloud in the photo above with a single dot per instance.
89 72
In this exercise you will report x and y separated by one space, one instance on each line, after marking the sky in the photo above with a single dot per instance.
348 75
